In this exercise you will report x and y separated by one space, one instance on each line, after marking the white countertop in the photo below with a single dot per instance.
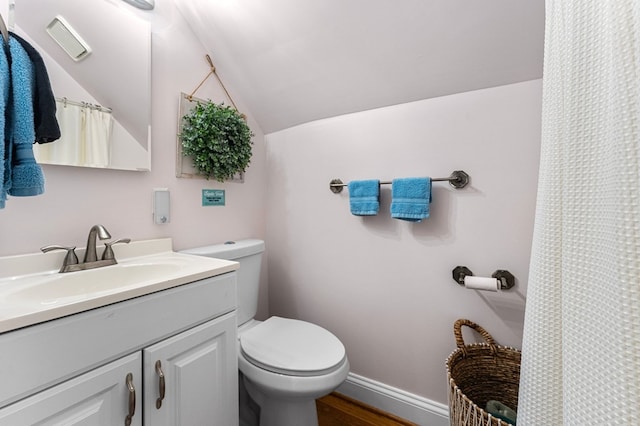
28 293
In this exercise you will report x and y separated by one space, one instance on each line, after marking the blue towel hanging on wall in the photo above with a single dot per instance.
410 198
364 197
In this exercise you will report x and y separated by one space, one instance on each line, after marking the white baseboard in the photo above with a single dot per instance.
403 404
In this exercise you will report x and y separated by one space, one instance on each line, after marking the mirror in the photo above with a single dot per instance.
116 74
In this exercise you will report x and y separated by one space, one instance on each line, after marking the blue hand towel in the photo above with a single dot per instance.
410 198
364 197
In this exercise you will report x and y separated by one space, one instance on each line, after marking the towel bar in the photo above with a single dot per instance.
458 179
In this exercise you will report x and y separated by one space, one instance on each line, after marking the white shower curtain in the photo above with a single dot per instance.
85 137
67 150
581 347
97 135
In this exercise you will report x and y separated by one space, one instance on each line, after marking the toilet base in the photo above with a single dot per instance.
299 413
249 410
283 411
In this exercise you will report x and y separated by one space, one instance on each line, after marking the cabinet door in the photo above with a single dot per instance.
192 378
100 397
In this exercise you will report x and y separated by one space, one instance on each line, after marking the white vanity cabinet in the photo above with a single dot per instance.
187 380
82 369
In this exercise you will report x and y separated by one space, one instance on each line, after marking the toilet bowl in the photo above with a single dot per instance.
286 364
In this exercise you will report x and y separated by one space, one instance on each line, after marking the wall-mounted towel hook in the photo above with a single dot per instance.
505 279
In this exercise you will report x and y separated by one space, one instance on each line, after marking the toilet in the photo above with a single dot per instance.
285 364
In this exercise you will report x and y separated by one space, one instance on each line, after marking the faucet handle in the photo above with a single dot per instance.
108 251
69 259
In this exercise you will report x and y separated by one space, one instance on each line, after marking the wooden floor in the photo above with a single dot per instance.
338 410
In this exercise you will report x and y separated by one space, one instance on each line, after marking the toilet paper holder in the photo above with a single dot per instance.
504 277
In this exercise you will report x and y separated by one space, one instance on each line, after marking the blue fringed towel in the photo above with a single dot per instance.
364 197
410 198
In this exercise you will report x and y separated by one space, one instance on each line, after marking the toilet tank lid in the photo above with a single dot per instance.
229 250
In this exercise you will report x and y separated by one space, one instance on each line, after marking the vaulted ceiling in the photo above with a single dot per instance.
295 61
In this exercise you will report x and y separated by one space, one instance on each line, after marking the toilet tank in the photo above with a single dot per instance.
249 254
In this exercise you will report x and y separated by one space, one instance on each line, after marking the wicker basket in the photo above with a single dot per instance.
478 373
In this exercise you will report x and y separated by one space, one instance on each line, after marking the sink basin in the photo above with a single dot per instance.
32 290
57 288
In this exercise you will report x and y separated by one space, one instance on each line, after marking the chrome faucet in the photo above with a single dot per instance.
71 264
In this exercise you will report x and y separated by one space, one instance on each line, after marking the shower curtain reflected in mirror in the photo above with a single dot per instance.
86 137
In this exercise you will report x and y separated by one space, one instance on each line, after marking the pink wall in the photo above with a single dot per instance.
384 286
77 198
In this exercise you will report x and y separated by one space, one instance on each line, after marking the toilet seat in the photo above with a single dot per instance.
292 347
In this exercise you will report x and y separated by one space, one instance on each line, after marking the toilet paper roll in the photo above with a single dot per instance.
481 283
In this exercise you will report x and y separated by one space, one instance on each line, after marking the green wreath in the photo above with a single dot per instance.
218 140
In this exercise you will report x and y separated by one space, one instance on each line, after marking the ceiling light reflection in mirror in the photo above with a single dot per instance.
115 75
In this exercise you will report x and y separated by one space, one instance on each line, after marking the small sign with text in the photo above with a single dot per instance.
213 197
